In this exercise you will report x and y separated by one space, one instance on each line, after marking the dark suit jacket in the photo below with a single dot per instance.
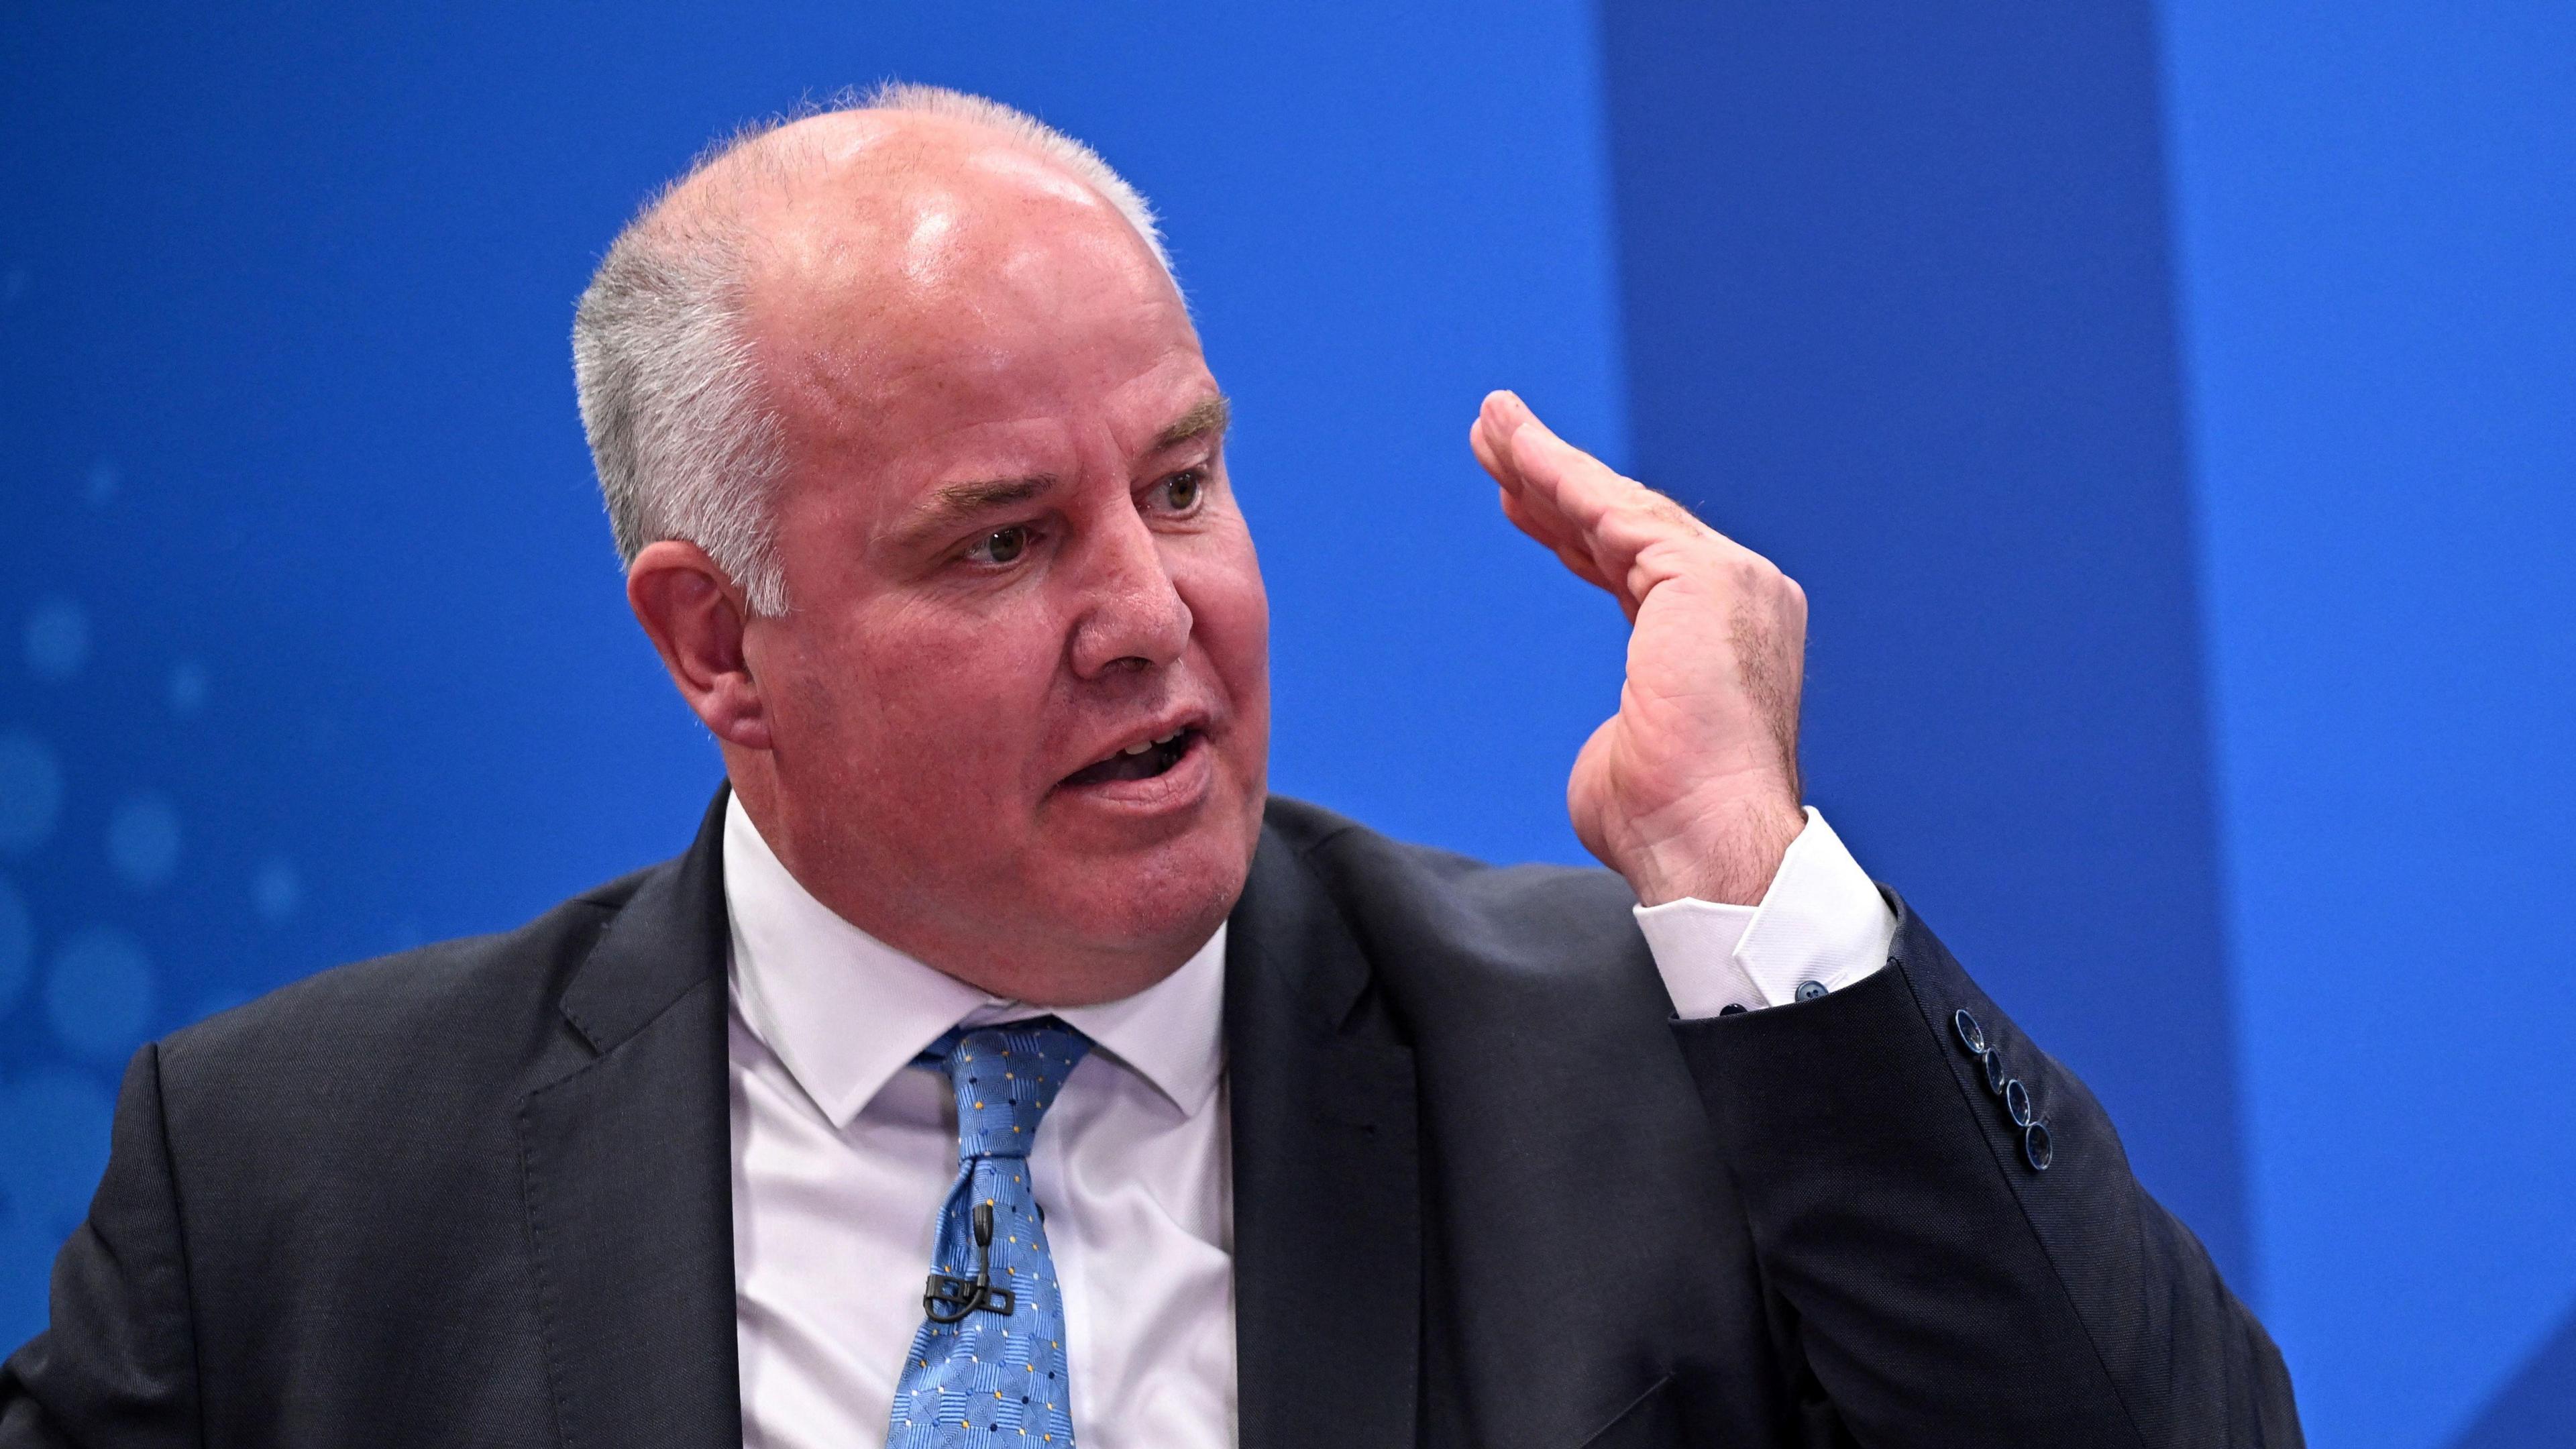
1487 1192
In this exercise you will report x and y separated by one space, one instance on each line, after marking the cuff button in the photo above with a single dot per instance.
1994 1064
1732 1008
1972 1033
1810 990
2036 1146
2017 1102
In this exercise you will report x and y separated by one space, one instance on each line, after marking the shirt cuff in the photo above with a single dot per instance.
1821 926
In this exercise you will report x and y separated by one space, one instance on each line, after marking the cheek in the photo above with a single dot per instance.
1231 614
900 699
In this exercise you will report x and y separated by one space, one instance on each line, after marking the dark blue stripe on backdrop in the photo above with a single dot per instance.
1899 314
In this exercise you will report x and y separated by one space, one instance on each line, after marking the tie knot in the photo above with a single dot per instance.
1005 1077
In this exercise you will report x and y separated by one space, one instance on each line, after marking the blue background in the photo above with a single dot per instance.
2169 407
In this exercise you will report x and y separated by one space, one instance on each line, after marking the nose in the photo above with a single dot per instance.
1132 615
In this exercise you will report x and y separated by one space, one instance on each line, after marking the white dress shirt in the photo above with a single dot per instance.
843 1152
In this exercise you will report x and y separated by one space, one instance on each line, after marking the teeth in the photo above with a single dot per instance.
1138 749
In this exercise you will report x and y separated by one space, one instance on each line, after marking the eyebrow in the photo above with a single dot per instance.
1208 415
957 502
954 503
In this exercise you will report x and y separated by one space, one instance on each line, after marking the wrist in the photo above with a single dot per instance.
1727 853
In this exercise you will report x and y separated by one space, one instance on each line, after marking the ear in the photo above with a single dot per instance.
695 615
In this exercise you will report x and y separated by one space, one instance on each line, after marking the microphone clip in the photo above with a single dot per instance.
949 1299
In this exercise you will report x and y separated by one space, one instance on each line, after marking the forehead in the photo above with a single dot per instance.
931 285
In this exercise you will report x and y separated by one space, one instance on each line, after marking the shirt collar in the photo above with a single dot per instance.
844 1011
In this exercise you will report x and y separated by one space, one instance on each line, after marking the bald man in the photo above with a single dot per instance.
1004 1065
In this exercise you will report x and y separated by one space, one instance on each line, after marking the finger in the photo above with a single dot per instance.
1498 437
1481 442
1580 486
1490 437
1580 565
1576 559
1603 559
1622 522
1610 518
1604 549
1535 514
1539 511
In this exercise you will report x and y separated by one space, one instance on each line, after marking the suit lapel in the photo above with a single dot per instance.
1327 1217
626 1164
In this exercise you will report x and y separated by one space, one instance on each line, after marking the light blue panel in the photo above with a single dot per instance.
2377 227
311 642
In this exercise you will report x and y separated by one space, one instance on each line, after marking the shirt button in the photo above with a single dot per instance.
1732 1008
1810 990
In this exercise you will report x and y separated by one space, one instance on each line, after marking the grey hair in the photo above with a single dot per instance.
684 440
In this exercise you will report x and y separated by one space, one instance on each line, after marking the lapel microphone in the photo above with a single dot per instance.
949 1299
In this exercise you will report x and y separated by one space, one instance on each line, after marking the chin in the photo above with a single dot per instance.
1159 904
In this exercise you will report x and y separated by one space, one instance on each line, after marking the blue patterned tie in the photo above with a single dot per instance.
987 1366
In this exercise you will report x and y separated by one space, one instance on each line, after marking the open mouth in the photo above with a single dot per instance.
1138 762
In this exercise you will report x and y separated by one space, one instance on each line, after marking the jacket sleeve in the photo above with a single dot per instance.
1937 1284
116 1367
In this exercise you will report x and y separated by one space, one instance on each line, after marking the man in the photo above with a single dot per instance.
1002 1065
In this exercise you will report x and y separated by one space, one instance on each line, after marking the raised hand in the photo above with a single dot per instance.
1691 789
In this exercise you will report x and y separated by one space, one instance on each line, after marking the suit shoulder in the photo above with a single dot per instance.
451 1002
1421 897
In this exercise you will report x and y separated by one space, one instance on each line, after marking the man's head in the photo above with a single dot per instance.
918 473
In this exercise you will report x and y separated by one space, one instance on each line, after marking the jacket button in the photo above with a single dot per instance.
1972 1034
2017 1102
2036 1146
1994 1064
1810 990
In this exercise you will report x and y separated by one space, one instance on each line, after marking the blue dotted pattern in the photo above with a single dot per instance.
17 945
57 640
993 1377
143 840
123 915
31 792
99 995
53 1146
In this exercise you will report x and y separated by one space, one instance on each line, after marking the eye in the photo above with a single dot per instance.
1181 490
1002 545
